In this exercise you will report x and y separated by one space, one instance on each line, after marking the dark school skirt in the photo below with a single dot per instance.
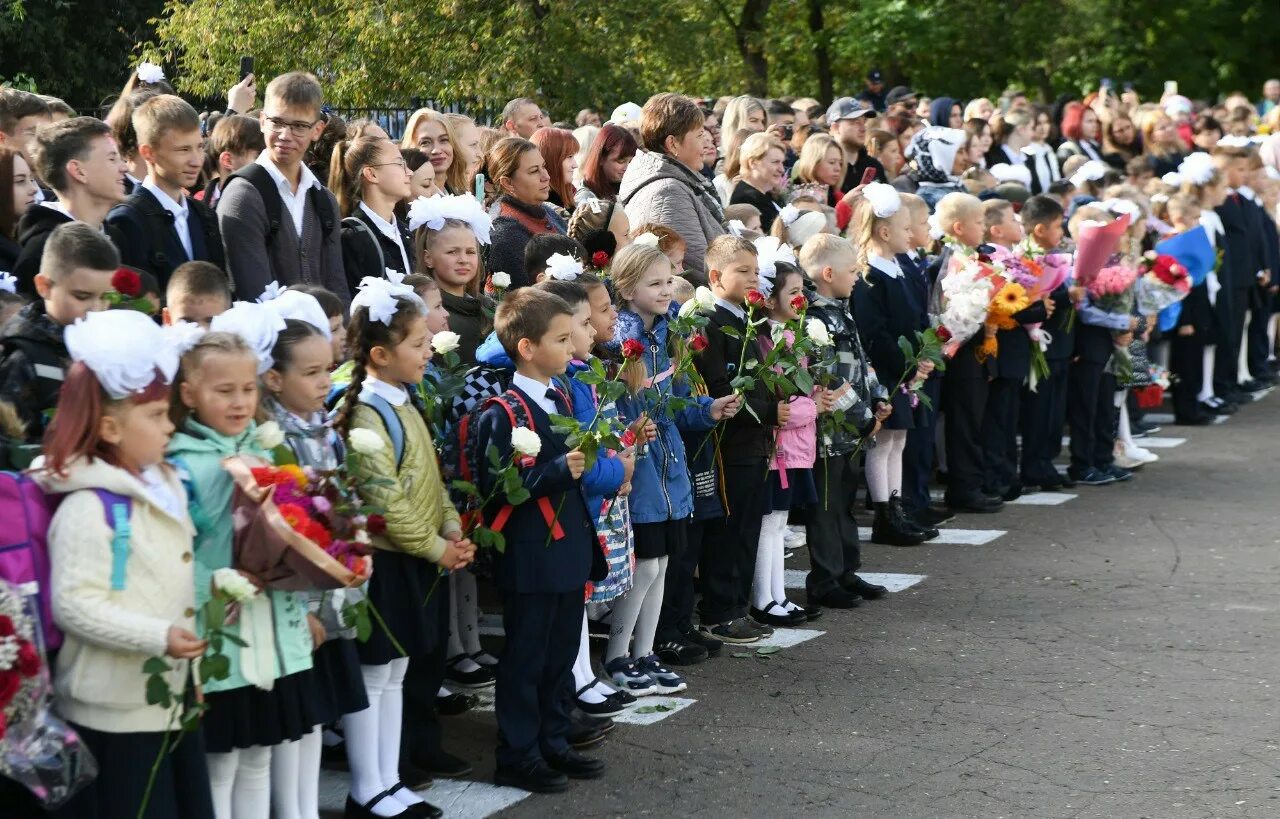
338 677
800 492
660 539
399 591
247 716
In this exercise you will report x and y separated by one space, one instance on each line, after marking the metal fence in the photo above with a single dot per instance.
393 120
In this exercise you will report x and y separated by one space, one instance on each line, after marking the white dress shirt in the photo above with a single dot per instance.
889 267
736 309
537 391
181 211
295 202
392 394
391 231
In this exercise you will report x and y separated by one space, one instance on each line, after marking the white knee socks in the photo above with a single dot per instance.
241 783
309 748
637 611
373 739
1206 386
768 585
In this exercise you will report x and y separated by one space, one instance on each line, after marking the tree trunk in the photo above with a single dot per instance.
821 52
750 35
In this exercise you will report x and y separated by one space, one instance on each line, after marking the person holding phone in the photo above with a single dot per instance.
847 119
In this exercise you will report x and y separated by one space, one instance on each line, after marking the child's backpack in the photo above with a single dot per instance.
24 550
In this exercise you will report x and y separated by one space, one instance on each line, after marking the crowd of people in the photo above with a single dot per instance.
602 372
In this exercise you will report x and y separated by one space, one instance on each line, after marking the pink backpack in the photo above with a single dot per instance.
24 551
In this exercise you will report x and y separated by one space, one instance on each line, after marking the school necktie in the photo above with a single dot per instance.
557 398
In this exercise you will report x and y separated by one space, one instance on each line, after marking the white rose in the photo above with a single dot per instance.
817 332
706 299
501 281
270 435
688 308
234 585
365 441
525 441
445 341
647 240
362 536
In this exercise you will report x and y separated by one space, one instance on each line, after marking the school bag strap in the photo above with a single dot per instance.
150 209
358 225
117 509
395 429
261 179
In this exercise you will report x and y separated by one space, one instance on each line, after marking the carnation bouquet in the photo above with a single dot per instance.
1112 288
37 749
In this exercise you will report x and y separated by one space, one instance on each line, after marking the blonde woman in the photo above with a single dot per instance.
762 158
430 132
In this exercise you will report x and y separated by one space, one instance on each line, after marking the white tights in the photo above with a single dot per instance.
295 778
769 584
637 611
884 464
373 739
241 783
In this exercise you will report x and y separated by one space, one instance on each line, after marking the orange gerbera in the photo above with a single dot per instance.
295 472
1010 299
989 347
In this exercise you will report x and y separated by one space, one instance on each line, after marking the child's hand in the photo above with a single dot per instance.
644 428
784 412
1133 323
725 407
183 645
318 634
1076 293
1049 306
457 554
923 369
876 428
628 457
1186 330
883 411
624 490
823 399
577 463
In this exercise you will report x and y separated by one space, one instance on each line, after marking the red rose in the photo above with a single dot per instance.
377 525
632 349
698 342
6 626
599 259
28 659
799 303
944 334
755 298
126 282
10 682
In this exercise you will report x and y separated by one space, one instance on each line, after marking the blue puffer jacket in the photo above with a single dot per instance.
605 476
660 486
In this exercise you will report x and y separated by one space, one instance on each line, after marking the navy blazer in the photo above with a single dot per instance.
1013 361
743 439
148 240
530 564
1241 259
886 308
1061 326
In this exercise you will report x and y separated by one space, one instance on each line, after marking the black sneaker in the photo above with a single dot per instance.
1118 473
702 638
735 631
680 652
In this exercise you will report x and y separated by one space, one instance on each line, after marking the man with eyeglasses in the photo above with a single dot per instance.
278 222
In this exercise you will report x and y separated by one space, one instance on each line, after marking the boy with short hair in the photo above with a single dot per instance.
1044 409
159 227
79 160
745 442
235 142
1244 270
21 115
278 222
549 555
748 215
74 278
196 292
831 265
1195 320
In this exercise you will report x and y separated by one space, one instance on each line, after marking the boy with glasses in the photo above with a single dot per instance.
278 222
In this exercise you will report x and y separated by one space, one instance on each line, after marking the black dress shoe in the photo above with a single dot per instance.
586 734
355 810
976 503
837 599
414 775
809 612
1202 419
422 810
788 620
1012 493
605 708
576 766
442 763
1252 385
535 777
934 516
866 590
455 704
479 677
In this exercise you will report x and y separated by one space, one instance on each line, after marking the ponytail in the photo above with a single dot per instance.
346 167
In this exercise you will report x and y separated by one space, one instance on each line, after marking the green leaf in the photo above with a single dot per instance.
155 665
908 352
158 692
764 651
215 667
731 332
466 487
518 496
657 708
233 638
589 377
215 612
742 655
803 381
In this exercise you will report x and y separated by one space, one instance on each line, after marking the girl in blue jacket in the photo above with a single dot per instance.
661 496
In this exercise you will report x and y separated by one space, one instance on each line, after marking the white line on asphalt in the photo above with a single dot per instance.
892 582
458 798
639 714
952 537
1043 499
1152 442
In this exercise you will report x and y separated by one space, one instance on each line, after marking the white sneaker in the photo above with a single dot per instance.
1137 453
1125 462
795 537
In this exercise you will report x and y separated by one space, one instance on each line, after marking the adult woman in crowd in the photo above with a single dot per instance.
821 168
585 136
762 168
731 150
558 148
429 132
981 139
521 176
466 142
743 112
1161 143
662 184
1080 133
1120 141
980 108
607 159
1042 160
17 193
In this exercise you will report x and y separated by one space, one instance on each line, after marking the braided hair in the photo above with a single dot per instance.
363 335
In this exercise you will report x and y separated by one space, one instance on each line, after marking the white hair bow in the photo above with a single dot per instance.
771 250
648 240
884 199
789 215
1197 168
381 298
8 282
1173 179
124 349
272 291
1004 172
149 73
294 304
1233 141
1091 171
935 227
736 227
257 324
183 335
433 212
1122 206
563 268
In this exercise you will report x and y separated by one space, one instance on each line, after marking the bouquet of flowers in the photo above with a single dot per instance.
966 298
1112 288
1097 242
1162 282
299 528
37 750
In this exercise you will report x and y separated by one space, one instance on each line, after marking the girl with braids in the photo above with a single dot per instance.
389 342
369 177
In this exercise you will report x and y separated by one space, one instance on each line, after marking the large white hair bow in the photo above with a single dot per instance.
124 349
294 304
564 268
149 73
771 250
257 324
884 199
1197 168
381 297
434 211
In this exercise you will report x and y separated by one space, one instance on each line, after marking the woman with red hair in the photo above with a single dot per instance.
558 147
607 159
1080 132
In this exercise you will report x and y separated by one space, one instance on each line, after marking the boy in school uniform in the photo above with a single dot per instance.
745 441
1243 272
549 556
1013 365
197 291
1044 409
235 142
78 158
75 276
278 222
158 226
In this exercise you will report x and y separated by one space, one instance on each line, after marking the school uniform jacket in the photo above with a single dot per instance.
744 439
148 239
886 307
1044 167
1243 256
362 257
